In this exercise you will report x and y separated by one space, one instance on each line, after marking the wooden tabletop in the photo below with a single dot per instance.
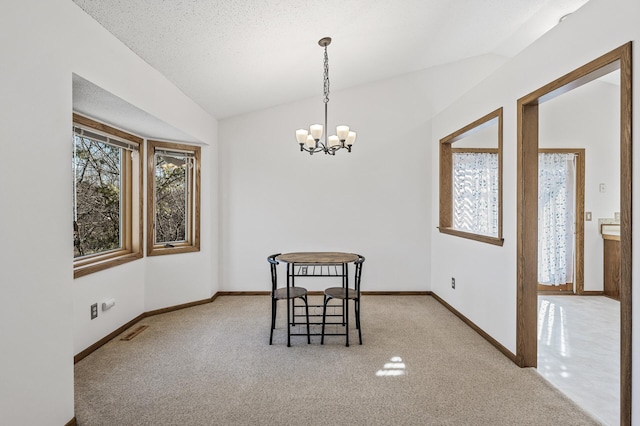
318 258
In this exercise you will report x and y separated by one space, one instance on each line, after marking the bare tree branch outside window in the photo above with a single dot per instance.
97 185
172 198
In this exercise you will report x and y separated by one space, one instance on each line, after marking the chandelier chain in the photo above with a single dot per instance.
326 76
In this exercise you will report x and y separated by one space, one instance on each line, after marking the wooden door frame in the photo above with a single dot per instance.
527 210
578 258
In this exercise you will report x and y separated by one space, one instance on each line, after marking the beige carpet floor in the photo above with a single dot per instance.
212 365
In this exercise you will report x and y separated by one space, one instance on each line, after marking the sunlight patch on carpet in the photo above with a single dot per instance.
394 368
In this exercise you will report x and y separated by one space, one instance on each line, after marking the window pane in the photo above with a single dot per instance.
97 200
475 193
172 197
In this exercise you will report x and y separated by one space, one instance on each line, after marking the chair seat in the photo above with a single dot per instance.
341 293
281 293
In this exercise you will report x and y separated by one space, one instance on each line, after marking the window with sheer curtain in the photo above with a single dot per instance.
556 222
471 179
475 192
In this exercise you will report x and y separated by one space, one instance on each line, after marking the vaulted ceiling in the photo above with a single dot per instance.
234 56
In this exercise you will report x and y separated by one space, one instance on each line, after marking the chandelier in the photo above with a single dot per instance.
311 140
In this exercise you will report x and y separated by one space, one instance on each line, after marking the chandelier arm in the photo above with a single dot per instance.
320 147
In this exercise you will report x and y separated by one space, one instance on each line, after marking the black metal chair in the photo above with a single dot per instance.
345 294
288 293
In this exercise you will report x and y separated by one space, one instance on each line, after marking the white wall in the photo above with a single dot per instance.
373 201
45 317
160 281
486 275
589 118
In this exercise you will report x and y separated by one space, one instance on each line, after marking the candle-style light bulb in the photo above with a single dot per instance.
334 142
316 131
311 143
343 132
301 135
351 138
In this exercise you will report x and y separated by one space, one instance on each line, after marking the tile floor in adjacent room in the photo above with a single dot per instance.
579 351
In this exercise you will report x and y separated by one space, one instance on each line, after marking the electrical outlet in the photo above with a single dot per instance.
453 283
94 311
303 270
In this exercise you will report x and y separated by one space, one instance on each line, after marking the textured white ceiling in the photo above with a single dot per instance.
234 56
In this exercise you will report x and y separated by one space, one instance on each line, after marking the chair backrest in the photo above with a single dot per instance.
358 273
274 270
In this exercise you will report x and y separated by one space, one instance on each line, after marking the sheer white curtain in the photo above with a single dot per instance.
556 222
475 192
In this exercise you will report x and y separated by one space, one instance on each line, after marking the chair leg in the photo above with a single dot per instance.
274 305
324 317
306 305
346 326
357 309
288 323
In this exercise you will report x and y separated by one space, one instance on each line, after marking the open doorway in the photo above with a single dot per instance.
527 250
578 335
